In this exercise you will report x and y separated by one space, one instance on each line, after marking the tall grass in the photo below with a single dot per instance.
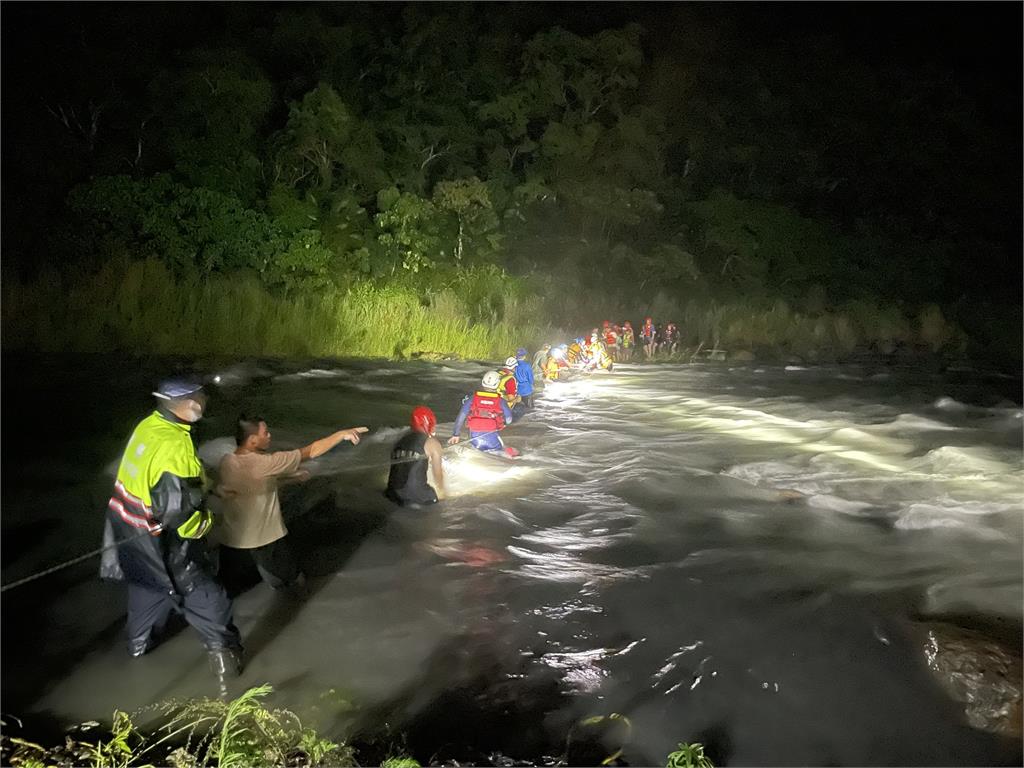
835 334
138 305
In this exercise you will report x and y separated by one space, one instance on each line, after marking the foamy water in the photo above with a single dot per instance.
705 549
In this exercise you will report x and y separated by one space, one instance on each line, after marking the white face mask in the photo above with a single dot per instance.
193 412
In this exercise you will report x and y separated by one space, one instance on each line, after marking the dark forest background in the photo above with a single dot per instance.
386 178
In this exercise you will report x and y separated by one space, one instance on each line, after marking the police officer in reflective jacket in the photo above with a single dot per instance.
157 510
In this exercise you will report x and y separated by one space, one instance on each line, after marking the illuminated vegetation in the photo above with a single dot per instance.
196 733
351 180
191 734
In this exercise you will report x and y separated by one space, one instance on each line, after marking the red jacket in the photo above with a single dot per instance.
485 413
511 386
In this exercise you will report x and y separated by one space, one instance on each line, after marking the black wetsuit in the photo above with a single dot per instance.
407 481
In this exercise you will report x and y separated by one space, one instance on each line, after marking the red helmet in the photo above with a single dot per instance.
423 420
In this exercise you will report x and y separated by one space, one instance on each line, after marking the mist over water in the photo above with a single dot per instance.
726 554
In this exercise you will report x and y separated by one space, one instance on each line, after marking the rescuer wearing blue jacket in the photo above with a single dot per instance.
524 378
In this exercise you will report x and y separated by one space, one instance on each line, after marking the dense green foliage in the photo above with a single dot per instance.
460 167
191 733
207 732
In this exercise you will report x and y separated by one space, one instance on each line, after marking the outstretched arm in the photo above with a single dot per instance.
459 421
324 444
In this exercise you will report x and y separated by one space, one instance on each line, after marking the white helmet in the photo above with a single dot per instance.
511 362
491 380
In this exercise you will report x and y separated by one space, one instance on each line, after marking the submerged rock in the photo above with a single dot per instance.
981 673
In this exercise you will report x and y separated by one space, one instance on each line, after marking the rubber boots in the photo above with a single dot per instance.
137 646
226 664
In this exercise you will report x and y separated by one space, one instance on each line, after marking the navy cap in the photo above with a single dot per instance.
173 389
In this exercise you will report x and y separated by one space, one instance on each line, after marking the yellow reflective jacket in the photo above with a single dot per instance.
157 505
157 446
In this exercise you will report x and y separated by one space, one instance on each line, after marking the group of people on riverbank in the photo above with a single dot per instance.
655 338
603 347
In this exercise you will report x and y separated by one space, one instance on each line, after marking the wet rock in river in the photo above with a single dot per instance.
981 673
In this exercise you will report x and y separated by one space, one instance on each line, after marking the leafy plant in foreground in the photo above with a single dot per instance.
400 762
689 756
196 733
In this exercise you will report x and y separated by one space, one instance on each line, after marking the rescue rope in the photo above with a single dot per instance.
100 550
351 468
73 561
389 462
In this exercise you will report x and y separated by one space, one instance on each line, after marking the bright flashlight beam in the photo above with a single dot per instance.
471 471
751 424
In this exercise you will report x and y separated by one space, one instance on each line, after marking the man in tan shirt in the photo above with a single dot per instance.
251 511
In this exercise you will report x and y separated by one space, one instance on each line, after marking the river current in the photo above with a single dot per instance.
725 554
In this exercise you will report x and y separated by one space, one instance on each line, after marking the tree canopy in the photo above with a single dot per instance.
707 150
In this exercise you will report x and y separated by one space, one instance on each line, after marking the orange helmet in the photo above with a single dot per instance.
423 420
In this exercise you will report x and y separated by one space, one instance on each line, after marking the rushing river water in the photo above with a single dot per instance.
638 559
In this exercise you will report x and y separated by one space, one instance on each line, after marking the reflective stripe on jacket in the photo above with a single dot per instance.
159 488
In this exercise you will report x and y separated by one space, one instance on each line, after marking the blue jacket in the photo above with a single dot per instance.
524 378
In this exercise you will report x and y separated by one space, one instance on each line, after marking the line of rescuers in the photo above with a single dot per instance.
158 528
159 534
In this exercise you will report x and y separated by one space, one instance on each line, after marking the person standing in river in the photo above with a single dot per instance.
411 456
249 480
485 413
540 359
158 513
524 378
